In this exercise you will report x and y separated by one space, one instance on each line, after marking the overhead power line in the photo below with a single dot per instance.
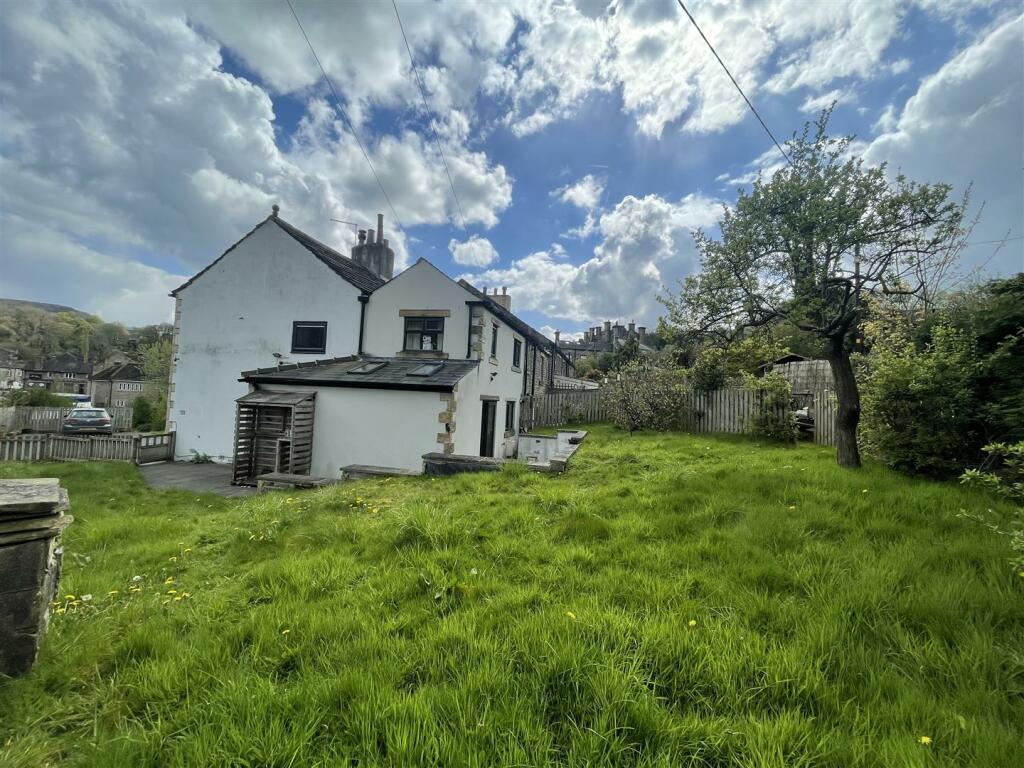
426 108
749 104
344 115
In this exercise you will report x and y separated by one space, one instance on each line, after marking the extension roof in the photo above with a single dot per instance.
395 373
351 271
120 372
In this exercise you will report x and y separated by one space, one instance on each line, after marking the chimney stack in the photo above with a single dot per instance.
372 251
642 333
632 327
558 335
504 299
608 331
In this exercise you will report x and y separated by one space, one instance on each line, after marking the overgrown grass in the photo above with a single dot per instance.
673 600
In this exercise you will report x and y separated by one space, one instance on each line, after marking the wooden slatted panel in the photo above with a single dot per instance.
245 427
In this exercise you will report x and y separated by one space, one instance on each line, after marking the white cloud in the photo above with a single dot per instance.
964 124
121 128
814 104
474 252
585 193
646 245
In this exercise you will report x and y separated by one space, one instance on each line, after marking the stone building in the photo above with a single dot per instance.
601 339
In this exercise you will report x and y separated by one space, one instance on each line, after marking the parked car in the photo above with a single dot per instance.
82 421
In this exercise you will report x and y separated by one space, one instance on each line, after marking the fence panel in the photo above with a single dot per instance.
562 407
730 410
136 449
21 418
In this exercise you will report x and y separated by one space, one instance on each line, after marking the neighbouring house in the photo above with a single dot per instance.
12 370
117 385
63 375
325 360
599 340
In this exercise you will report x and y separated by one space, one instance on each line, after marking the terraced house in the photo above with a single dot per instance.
307 360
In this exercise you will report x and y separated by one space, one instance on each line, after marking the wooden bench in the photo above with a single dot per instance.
281 480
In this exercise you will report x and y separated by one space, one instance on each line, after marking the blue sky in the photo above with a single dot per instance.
587 140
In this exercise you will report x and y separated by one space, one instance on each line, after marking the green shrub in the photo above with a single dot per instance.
36 398
708 373
774 418
920 408
645 396
1002 473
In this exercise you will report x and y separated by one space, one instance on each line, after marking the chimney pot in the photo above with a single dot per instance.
504 289
380 227
369 237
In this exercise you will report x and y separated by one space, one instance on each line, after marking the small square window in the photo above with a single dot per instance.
309 338
423 333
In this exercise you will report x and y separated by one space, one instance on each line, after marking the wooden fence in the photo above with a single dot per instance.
562 407
728 410
21 418
137 449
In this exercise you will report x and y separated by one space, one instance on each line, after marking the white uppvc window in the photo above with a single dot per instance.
120 403
129 386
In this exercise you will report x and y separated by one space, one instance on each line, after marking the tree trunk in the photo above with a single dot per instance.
848 411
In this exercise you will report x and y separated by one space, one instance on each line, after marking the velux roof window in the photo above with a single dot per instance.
369 367
427 369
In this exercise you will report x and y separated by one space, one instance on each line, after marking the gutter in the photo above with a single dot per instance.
364 299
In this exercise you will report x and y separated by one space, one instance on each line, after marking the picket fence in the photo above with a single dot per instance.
20 418
728 410
137 449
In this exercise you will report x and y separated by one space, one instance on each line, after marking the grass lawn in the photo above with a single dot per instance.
672 600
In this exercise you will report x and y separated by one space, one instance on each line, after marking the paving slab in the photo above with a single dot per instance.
186 476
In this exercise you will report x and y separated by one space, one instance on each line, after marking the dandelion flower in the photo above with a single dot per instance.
865 490
571 615
173 558
285 631
69 597
691 623
169 580
188 549
114 592
792 508
926 740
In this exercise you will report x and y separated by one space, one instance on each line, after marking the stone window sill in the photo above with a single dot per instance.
427 354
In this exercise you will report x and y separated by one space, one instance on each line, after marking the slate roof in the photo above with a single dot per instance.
120 372
394 374
60 364
354 273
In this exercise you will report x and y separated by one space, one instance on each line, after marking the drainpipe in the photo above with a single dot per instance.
364 298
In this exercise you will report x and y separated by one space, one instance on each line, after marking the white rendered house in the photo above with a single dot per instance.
333 362
277 295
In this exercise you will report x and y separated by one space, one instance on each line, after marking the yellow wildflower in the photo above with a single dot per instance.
114 592
173 558
571 615
169 580
865 490
792 508
188 549
69 597
285 631
691 623
926 740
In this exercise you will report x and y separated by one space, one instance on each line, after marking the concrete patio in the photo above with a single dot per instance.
185 476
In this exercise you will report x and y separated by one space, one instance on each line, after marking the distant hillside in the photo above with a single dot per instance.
40 331
12 304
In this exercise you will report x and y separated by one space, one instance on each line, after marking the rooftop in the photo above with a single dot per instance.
368 373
